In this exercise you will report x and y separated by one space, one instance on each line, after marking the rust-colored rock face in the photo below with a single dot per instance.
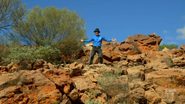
183 47
27 87
60 78
141 43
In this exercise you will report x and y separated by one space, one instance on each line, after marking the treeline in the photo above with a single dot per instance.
168 46
47 32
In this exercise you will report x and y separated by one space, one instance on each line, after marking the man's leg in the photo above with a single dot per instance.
100 55
92 55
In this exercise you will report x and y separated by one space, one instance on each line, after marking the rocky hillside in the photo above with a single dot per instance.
135 73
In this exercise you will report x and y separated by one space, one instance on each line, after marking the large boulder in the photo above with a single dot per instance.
141 43
61 78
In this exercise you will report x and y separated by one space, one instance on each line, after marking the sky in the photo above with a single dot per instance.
122 18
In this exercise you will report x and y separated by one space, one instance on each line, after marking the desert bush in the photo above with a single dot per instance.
93 102
111 85
70 48
28 55
4 51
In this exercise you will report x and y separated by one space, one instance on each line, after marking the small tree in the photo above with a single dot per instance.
11 11
50 25
70 49
169 46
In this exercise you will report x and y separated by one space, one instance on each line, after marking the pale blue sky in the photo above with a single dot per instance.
122 18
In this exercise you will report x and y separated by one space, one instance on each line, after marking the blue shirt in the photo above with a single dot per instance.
97 40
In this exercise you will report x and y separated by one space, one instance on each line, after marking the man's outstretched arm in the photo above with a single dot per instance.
108 40
88 41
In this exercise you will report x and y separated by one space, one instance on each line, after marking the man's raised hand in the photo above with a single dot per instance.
113 39
81 40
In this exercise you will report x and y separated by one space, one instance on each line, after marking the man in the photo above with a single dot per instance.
97 45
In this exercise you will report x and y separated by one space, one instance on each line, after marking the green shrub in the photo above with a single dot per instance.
4 51
93 102
58 102
69 47
28 55
169 46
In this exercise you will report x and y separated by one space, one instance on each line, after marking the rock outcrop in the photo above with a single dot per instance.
136 44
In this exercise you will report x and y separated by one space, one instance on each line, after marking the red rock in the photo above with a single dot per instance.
102 99
51 66
80 66
67 88
73 65
143 42
138 95
76 69
85 98
74 96
177 52
152 35
38 64
27 87
152 96
61 78
83 84
106 53
179 61
133 73
115 56
3 69
13 68
65 100
125 46
182 47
